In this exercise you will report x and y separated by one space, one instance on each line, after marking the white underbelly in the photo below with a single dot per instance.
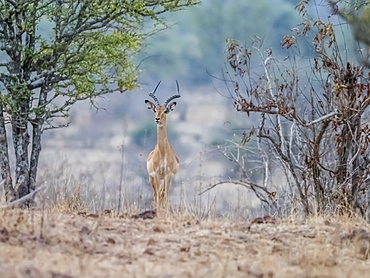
162 170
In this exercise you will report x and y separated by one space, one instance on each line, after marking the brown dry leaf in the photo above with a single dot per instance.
158 229
151 241
85 230
263 220
185 249
59 275
4 235
149 251
111 240
93 215
148 214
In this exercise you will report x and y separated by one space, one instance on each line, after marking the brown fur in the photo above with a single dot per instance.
162 162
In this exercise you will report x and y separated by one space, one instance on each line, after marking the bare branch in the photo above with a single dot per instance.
24 199
321 119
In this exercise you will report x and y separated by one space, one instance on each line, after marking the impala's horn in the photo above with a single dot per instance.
175 96
152 94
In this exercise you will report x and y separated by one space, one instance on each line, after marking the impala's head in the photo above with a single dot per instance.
161 111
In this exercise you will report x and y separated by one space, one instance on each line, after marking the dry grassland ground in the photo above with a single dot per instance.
59 245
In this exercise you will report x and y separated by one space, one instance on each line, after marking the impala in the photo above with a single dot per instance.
162 162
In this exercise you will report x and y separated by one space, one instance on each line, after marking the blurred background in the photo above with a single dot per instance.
100 159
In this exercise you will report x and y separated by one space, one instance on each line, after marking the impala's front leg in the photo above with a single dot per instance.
167 184
163 194
154 181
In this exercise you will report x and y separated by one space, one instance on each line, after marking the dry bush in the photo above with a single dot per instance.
313 121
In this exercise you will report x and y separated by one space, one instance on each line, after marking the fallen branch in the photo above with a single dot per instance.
21 201
249 185
245 184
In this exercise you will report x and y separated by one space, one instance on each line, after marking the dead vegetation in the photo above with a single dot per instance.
52 244
314 126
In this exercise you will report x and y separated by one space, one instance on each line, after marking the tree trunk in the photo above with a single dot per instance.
4 160
37 125
357 168
21 142
35 154
348 173
315 169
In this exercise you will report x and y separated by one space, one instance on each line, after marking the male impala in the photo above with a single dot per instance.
162 162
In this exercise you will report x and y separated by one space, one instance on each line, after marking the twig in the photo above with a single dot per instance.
24 199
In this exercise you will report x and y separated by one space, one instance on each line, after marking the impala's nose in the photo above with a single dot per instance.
156 120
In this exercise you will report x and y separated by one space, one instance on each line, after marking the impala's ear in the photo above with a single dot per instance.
150 105
170 107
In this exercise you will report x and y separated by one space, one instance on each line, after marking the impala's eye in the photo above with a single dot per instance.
166 111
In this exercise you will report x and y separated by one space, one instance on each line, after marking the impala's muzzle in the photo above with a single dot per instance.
157 120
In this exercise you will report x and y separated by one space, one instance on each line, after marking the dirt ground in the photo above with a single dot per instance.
59 245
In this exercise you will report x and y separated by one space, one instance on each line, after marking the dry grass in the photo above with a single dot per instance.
54 244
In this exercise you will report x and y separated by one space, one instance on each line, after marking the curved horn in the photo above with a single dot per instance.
175 96
152 94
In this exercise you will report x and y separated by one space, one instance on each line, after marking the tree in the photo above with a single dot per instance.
55 53
357 14
315 122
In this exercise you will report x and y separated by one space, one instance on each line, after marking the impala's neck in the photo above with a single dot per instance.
162 140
